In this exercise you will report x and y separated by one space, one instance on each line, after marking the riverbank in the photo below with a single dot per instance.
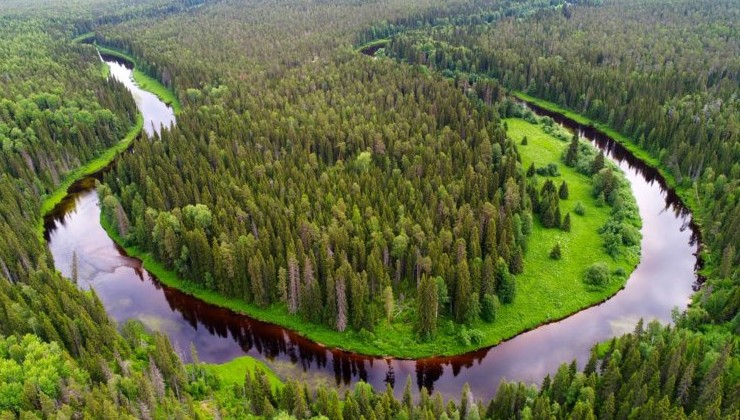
145 81
688 195
540 299
106 157
90 168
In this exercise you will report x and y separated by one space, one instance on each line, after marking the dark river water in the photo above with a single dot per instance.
663 280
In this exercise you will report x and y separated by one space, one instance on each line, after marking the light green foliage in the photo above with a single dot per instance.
30 362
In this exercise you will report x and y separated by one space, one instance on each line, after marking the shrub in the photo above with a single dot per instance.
556 253
580 209
597 274
550 170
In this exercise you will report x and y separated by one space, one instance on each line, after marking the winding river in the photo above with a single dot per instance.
664 279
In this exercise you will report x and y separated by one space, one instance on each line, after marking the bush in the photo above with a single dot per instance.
468 337
597 274
580 209
550 170
556 253
366 336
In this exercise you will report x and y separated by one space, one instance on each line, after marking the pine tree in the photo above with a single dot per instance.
426 310
566 223
489 307
506 283
388 303
571 156
341 304
294 276
598 163
563 191
463 291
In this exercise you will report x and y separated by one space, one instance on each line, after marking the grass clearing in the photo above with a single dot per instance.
687 192
548 290
232 373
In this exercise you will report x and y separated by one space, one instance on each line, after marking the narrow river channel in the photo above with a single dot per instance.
663 280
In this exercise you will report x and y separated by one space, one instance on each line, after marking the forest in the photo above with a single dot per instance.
347 190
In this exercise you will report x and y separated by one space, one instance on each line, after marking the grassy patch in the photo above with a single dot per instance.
232 373
548 290
95 165
556 287
376 43
625 141
84 37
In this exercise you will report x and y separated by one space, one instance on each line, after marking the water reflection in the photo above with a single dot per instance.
662 281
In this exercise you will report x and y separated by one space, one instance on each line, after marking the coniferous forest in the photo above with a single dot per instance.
365 173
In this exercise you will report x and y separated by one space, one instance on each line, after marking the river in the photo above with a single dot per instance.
664 279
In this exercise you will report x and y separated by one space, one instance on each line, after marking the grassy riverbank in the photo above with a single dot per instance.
232 373
688 194
105 158
548 290
145 81
95 165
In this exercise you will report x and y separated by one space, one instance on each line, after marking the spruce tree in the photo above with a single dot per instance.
556 253
571 156
563 191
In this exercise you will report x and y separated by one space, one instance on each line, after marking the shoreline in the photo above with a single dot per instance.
324 336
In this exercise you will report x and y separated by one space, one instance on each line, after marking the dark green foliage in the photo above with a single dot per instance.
565 226
531 170
550 170
489 307
571 156
650 360
563 191
505 283
524 141
267 126
427 308
556 252
580 209
598 163
359 212
597 274
549 205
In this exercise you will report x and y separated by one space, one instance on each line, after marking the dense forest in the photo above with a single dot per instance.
303 173
673 91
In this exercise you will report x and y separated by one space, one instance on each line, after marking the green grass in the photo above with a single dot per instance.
100 162
84 37
686 192
382 41
547 290
232 373
145 81
625 141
